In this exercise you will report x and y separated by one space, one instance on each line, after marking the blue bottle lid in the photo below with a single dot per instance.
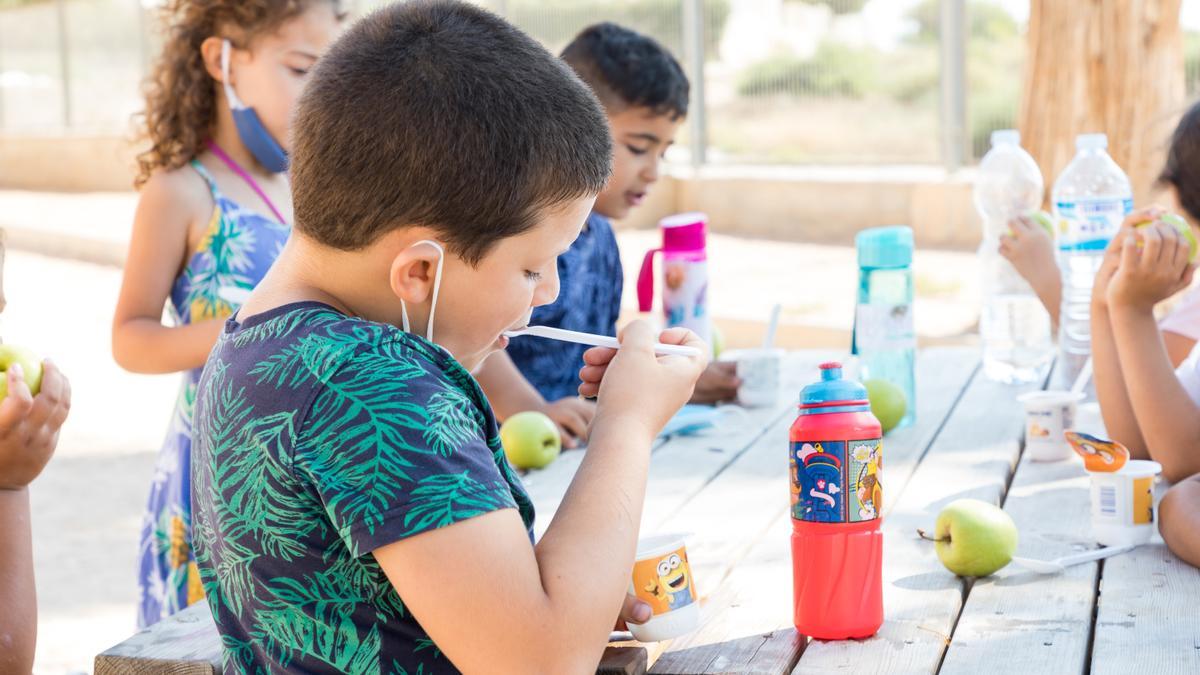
833 393
885 247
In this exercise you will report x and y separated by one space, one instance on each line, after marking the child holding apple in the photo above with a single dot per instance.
1030 248
33 408
353 508
214 212
645 97
1149 406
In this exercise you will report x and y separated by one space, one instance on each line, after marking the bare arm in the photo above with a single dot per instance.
1168 418
1178 346
1031 251
510 393
557 601
158 245
1111 390
28 435
18 621
1179 520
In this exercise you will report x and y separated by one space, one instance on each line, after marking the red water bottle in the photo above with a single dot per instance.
837 549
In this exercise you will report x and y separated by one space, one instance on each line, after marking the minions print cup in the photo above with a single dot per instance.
663 579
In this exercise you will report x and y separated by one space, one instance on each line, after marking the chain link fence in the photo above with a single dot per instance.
859 82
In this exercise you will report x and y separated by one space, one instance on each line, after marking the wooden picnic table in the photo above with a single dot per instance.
728 489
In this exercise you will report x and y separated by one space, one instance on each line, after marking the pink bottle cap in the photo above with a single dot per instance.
684 232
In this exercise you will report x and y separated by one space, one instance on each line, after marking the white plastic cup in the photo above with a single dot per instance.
662 578
758 369
1123 503
1047 415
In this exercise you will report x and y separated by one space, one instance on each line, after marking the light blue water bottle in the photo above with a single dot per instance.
884 338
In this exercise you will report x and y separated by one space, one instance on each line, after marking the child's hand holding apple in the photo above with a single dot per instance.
36 398
1155 263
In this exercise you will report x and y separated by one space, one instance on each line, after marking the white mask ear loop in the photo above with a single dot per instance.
437 287
234 102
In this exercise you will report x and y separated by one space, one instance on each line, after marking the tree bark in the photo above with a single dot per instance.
1111 66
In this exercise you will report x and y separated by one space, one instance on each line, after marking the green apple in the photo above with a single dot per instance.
30 363
1045 220
888 403
1181 226
973 538
718 343
530 439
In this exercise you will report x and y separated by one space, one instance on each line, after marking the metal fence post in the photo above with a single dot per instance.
60 7
952 48
693 45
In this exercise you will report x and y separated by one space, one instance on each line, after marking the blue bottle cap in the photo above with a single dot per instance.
832 389
885 247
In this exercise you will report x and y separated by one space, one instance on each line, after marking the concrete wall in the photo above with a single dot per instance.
70 163
826 205
818 204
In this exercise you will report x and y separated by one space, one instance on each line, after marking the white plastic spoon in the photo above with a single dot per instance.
595 340
1059 564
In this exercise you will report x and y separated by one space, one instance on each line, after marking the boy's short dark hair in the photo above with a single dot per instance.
628 69
1182 168
441 114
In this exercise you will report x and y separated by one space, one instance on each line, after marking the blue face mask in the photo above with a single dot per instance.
250 128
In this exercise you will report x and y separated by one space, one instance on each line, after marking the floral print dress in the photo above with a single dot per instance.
237 250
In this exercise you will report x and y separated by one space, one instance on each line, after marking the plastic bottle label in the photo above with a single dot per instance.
883 327
836 481
1091 223
685 295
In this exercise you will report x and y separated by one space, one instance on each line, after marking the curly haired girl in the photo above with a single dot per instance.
214 212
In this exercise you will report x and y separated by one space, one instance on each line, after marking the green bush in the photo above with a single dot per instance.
985 21
841 6
834 71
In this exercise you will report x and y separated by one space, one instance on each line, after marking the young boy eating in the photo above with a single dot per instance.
353 510
645 97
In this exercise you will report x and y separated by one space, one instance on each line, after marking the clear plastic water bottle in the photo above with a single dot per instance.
884 338
1018 340
1093 196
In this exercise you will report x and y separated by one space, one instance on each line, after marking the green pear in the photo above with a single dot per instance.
973 538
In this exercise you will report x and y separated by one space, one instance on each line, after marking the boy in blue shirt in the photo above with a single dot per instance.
645 96
353 511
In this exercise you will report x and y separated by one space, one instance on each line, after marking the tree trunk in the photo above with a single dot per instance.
1111 66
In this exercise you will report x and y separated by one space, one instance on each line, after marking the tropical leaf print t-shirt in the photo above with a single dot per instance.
319 438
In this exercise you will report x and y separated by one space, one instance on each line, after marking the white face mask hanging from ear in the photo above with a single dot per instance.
437 286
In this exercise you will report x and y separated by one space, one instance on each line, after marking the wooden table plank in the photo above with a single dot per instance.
184 644
973 456
1025 622
748 625
1149 614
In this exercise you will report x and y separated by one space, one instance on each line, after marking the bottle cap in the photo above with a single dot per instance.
1091 142
1006 137
684 232
833 389
885 247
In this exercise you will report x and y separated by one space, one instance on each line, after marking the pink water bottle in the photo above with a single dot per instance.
684 274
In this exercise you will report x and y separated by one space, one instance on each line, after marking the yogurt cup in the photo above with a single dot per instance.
1123 503
758 369
663 579
1047 415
